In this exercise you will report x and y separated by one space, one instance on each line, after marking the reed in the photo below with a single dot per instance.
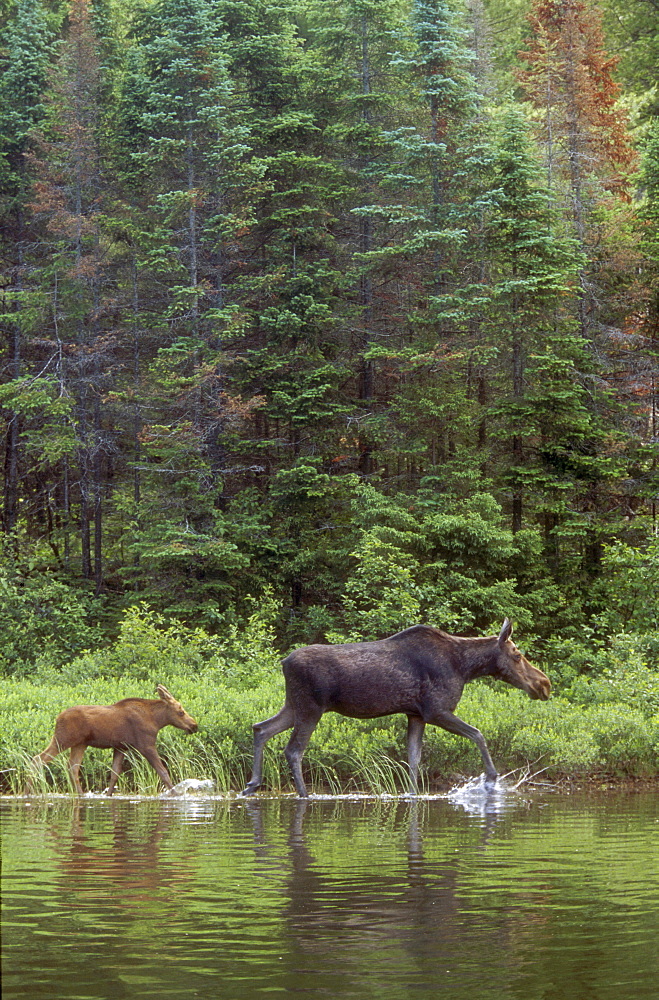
381 774
23 777
602 736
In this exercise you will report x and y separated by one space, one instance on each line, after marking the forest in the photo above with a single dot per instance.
327 317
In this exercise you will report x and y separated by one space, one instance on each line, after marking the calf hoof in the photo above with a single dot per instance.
250 789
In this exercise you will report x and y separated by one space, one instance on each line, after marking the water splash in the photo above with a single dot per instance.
483 797
191 786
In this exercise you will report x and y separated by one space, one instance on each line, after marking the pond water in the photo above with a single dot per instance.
535 895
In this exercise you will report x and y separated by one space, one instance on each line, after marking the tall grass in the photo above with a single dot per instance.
611 725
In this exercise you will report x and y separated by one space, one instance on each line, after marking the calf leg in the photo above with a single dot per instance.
263 731
45 757
415 728
75 759
117 767
452 724
296 747
153 757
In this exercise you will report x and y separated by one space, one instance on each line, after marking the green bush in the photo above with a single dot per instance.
43 620
604 722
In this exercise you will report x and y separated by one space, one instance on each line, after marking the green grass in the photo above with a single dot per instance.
598 738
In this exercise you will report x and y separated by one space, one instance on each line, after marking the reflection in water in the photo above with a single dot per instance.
392 899
405 916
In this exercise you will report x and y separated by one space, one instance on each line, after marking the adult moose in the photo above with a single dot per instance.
130 724
420 672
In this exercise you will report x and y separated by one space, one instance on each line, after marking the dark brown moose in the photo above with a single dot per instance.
131 724
420 672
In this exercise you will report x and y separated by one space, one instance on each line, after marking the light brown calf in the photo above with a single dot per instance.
131 724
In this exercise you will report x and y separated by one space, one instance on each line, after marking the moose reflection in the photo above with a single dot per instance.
420 672
130 724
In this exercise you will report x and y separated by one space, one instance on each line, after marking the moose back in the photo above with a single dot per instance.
420 672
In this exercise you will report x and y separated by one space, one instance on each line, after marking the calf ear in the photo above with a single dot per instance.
506 632
163 693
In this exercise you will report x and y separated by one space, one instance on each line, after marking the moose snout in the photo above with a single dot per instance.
540 688
192 727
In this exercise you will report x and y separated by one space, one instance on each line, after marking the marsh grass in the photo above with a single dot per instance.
601 737
24 777
380 774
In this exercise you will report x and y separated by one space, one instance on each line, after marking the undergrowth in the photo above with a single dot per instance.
606 723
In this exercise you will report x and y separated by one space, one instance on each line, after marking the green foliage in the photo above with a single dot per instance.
43 619
615 733
27 46
295 340
628 588
420 561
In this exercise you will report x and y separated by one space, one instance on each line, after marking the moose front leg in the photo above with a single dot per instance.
75 759
153 757
117 767
452 724
296 746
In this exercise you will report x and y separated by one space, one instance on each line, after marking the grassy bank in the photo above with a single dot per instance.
603 723
563 738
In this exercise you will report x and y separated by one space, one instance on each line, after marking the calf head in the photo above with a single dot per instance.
513 667
176 715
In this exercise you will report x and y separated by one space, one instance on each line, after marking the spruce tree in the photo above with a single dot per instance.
584 132
540 413
27 48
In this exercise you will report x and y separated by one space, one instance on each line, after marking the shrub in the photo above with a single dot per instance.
43 620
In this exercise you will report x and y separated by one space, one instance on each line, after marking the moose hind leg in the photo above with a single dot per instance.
263 731
450 722
75 759
38 761
415 728
295 749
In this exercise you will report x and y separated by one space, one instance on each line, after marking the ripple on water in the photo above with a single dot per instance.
540 898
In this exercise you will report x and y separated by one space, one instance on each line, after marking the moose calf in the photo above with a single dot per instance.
130 724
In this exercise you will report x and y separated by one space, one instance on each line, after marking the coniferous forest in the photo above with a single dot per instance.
344 313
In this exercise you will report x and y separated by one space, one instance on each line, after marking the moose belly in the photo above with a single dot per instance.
108 743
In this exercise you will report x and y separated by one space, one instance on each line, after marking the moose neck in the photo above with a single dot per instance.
159 713
477 657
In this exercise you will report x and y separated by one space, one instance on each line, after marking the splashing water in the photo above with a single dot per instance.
192 786
483 797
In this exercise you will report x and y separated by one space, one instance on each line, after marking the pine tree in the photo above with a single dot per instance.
182 160
27 47
640 340
522 312
67 202
584 132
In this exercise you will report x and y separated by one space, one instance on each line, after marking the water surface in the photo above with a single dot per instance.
543 896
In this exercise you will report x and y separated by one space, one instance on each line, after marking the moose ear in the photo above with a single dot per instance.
163 693
506 632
